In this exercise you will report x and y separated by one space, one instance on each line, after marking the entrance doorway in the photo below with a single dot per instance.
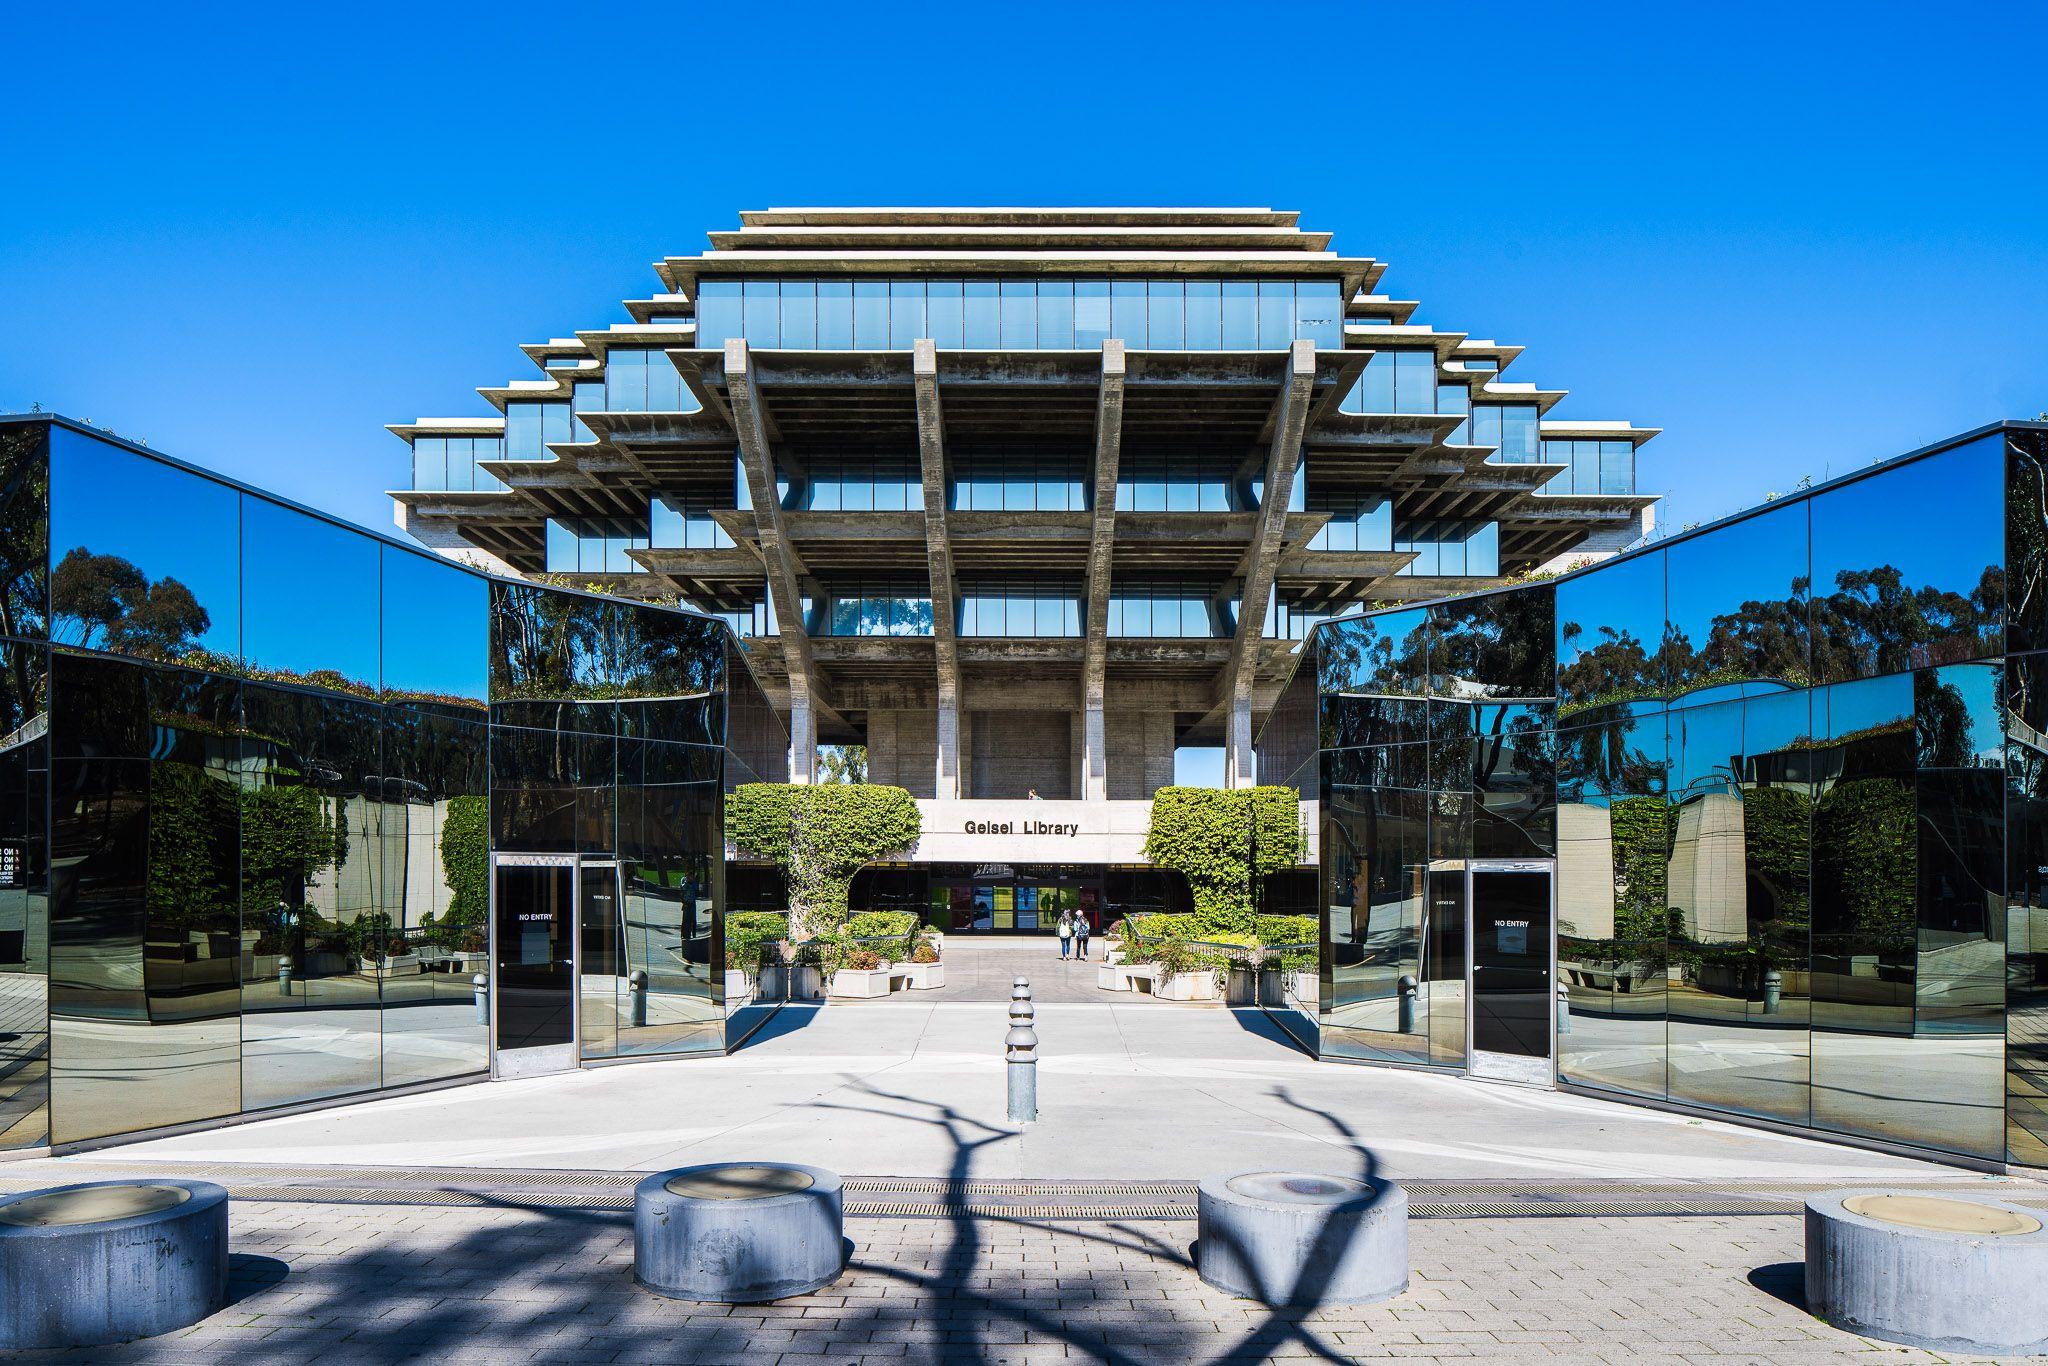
557 944
1510 971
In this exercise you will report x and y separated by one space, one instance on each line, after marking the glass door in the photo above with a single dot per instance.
601 984
1511 970
533 925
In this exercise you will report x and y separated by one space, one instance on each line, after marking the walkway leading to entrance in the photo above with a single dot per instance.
983 968
1132 1091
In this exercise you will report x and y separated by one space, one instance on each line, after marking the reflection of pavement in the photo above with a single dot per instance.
1126 1091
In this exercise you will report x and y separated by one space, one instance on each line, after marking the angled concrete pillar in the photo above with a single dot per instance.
931 454
1262 560
750 425
1109 427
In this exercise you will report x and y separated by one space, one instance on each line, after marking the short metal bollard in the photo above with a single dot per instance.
284 976
1774 990
481 985
636 981
1020 1049
1404 1019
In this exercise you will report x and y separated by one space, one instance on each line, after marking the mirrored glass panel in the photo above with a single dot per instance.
145 931
1895 588
312 918
145 557
1613 834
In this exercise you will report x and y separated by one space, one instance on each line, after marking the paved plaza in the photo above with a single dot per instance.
488 1223
352 1284
1129 1088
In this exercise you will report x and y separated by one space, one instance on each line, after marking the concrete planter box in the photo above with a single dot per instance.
861 983
398 966
1304 986
1112 977
924 976
807 984
736 984
1186 986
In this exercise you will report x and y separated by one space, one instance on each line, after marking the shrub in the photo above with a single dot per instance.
1175 956
1207 835
466 862
821 835
876 924
924 953
861 960
1285 929
748 934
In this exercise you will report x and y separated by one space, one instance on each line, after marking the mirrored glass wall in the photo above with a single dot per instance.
247 817
1789 772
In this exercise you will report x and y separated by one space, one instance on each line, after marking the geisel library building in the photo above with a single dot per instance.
1023 501
1750 821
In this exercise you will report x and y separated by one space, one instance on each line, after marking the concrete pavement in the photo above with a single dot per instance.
1126 1091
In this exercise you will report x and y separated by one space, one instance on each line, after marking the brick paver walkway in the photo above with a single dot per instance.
983 969
341 1284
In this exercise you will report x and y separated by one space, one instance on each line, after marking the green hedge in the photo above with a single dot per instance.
820 835
1206 835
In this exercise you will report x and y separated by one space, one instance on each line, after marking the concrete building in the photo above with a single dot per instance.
1022 500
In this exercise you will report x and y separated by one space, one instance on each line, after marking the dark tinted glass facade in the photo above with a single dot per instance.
256 768
1786 774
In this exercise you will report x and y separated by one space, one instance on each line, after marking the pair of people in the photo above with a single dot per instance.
1074 934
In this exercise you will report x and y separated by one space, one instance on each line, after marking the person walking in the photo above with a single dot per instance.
1066 933
1081 935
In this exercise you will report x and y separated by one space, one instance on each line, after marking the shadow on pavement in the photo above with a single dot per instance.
1258 1021
1782 1281
787 1018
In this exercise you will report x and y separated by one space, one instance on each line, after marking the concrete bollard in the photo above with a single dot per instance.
1946 1273
480 986
636 982
739 1232
284 976
109 1261
1020 1050
1404 1015
1774 990
1564 1008
1301 1239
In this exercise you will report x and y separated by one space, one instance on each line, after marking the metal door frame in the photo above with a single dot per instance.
574 863
1548 867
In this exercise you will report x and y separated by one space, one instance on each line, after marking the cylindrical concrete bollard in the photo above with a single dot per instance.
1774 990
108 1261
1020 1050
1301 1239
1564 1008
480 987
739 1232
1947 1273
636 981
1404 1010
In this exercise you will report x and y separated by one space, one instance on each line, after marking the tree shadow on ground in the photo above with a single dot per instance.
370 1283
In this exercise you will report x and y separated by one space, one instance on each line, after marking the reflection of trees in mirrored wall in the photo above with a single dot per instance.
2026 907
24 532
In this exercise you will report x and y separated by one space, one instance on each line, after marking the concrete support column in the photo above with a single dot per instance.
803 733
949 783
1237 743
1094 749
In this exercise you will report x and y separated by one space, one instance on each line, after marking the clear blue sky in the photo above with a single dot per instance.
1795 240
